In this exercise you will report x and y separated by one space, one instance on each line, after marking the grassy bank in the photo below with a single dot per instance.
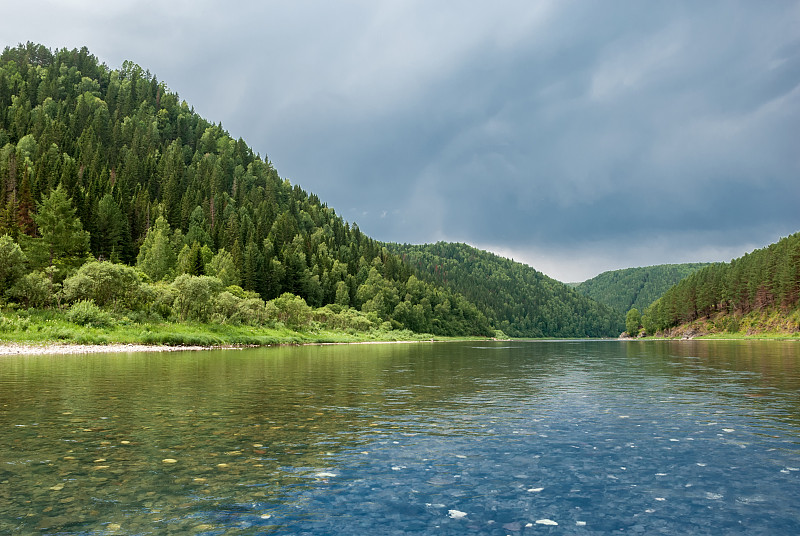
770 324
49 327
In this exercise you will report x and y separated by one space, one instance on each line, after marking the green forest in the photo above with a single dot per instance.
635 288
110 181
119 203
763 285
517 299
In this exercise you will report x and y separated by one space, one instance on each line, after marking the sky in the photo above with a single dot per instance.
574 136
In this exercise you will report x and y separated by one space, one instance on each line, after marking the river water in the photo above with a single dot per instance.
567 437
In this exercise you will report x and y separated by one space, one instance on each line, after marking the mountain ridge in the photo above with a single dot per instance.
520 300
635 287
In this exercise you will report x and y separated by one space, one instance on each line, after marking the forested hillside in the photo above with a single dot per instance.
100 164
766 280
513 296
637 288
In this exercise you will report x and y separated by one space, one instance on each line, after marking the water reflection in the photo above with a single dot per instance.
382 438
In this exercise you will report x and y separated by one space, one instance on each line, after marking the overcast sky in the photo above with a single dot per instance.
576 137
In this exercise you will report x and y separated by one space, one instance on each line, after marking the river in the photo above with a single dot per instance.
540 437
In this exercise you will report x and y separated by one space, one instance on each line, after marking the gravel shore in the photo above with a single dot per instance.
49 348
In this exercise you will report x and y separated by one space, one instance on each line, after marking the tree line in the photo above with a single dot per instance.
517 299
635 288
765 279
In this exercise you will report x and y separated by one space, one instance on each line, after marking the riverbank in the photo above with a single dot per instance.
40 329
58 348
44 328
67 348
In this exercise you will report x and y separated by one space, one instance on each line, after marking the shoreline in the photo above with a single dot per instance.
56 348
50 348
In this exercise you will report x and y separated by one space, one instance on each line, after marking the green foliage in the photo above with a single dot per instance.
514 297
223 266
34 289
157 256
232 309
635 287
292 311
765 279
633 320
194 296
86 313
110 231
104 283
160 297
12 263
124 170
63 241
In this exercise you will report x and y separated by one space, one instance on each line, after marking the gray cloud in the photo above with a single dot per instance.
553 132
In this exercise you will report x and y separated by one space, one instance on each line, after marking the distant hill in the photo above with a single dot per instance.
761 289
513 296
635 287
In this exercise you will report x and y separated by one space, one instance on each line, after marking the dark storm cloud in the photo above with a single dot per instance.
575 136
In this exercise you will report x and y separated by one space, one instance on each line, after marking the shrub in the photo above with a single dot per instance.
34 290
12 263
105 283
87 313
194 299
160 297
292 310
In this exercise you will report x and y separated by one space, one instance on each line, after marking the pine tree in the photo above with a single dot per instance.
110 229
63 242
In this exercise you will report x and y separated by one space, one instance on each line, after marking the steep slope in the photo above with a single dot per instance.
145 181
514 297
764 282
635 287
156 185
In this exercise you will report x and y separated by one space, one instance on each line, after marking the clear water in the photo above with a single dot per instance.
580 437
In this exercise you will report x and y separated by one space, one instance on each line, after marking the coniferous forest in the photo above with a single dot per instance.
636 288
763 285
519 300
110 180
116 197
120 204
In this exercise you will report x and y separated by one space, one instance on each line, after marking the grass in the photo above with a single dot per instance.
43 327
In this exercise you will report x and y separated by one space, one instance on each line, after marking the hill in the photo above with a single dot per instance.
109 164
513 296
637 288
755 293
116 198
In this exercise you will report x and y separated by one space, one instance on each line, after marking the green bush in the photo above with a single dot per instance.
194 298
105 283
87 313
12 263
292 310
35 289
